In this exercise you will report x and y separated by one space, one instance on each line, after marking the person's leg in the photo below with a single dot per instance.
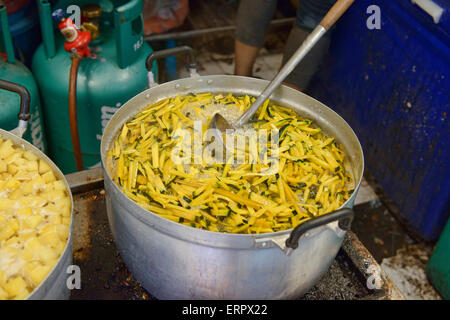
245 57
300 77
253 19
309 14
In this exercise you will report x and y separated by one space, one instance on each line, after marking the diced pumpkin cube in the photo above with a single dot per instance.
66 221
12 169
59 185
43 166
6 149
38 182
14 223
55 219
62 203
63 231
63 206
16 194
24 212
32 166
10 251
33 221
30 156
25 236
6 203
6 232
3 166
13 184
15 286
47 255
48 228
13 158
55 195
27 187
33 201
23 293
50 238
13 241
3 294
28 255
48 177
2 278
38 274
33 244
59 248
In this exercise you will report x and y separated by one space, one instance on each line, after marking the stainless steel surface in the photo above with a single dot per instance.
201 32
54 286
301 52
179 262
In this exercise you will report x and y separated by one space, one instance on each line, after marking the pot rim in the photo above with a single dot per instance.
165 224
28 146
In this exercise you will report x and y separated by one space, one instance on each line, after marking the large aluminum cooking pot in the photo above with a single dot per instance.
54 286
174 261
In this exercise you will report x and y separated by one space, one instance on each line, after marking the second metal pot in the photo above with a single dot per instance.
54 286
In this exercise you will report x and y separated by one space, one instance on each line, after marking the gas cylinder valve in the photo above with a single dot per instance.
77 41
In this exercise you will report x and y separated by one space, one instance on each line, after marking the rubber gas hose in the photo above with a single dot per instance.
76 59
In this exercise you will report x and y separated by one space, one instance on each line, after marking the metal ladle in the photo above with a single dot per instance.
220 123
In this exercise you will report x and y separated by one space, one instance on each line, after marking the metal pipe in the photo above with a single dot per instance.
170 52
196 33
45 17
166 53
25 98
9 48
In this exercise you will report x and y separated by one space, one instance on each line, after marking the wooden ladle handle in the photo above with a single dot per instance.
336 11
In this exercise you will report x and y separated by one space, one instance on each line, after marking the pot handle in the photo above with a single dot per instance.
166 53
25 99
344 216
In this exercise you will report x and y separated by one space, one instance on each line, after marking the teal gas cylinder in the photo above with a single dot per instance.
438 267
14 71
110 77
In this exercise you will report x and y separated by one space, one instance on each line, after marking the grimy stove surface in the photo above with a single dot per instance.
354 274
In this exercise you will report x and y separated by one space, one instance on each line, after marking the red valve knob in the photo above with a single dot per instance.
77 41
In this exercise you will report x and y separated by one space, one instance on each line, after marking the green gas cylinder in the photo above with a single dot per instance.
113 74
438 267
14 71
